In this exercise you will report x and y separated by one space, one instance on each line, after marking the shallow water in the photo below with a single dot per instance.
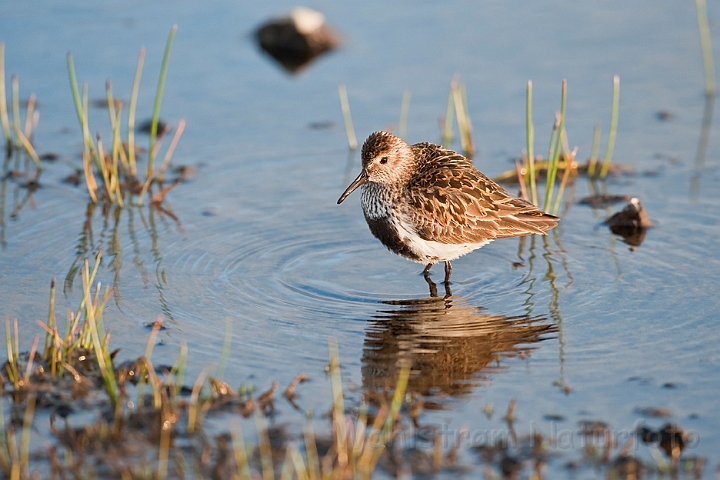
256 235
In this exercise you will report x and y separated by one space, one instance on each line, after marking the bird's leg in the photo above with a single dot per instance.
426 271
433 287
448 292
448 271
431 284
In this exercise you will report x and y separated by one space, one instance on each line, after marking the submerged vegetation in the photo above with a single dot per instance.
102 418
117 168
21 164
560 155
149 424
18 138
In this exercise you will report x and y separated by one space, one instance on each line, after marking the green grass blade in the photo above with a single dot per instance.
131 113
4 454
3 99
312 452
569 162
150 345
349 129
551 147
86 129
26 430
111 105
553 163
117 153
101 353
23 141
11 365
226 349
405 107
338 403
144 370
462 117
264 446
158 99
194 404
29 114
521 179
592 163
239 451
16 106
50 322
613 127
706 45
530 131
178 370
467 122
76 99
171 149
449 113
400 389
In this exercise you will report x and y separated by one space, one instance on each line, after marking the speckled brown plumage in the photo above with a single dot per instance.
450 201
429 204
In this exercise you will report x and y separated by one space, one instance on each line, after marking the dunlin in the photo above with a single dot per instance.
429 204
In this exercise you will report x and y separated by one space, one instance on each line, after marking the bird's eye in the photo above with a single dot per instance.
384 160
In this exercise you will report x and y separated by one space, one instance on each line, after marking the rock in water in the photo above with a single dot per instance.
631 223
297 39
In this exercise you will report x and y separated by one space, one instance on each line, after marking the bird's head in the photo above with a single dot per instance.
386 159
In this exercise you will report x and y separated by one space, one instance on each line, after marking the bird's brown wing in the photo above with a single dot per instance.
451 202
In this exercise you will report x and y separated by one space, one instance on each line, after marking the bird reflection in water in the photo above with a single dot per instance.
450 345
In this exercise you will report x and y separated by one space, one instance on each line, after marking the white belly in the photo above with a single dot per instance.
430 251
377 203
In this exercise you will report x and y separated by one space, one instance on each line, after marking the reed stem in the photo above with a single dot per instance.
16 106
264 446
158 99
613 127
131 113
78 105
29 116
592 162
104 171
239 452
101 353
3 99
553 165
51 318
569 163
178 370
226 349
400 389
404 108
462 117
25 435
447 130
338 411
706 45
171 149
530 133
349 129
23 141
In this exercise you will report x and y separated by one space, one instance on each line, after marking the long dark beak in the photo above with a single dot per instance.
362 178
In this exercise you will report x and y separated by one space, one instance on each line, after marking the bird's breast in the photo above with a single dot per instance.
377 201
379 208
